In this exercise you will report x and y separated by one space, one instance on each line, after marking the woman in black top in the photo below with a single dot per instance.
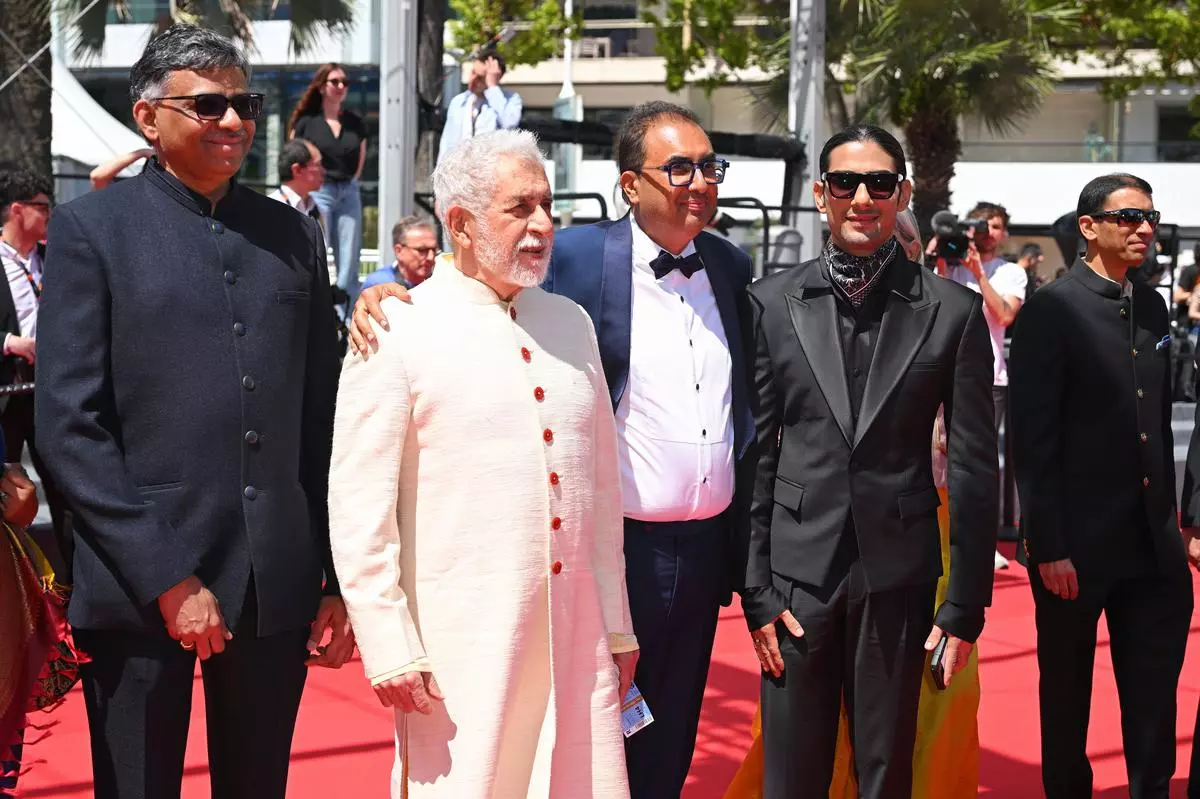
341 138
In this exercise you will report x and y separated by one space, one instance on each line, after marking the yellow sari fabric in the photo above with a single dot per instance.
946 758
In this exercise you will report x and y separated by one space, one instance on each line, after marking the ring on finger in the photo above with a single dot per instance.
188 645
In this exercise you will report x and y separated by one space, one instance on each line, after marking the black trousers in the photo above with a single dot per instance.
17 423
675 573
1148 619
138 692
867 648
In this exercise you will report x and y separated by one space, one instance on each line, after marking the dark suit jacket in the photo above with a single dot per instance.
1095 459
186 382
593 265
815 466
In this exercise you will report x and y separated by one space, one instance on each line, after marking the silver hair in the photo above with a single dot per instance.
182 47
907 232
467 173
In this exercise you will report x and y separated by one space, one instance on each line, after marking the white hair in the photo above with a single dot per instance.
907 233
466 174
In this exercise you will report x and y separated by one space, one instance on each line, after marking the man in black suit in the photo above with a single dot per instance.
1095 465
853 354
185 404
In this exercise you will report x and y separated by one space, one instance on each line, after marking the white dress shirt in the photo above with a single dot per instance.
22 273
286 194
1009 280
675 420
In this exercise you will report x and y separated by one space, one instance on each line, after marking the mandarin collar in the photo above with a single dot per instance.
473 291
174 188
1094 281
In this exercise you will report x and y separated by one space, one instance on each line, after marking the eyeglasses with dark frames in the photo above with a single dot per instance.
47 204
213 106
338 83
682 172
844 185
1130 216
423 252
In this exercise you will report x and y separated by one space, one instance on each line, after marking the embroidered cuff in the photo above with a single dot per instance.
621 642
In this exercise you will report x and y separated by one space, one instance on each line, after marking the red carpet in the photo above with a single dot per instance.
343 745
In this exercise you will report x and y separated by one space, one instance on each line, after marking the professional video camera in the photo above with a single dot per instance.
951 233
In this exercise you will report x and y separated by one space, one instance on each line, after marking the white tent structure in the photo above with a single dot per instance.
83 135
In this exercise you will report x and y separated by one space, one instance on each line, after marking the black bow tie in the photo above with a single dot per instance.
665 262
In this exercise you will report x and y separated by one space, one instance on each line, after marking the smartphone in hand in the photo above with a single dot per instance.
937 663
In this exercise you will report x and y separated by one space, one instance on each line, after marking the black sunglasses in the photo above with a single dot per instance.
1131 216
844 185
337 83
681 173
214 106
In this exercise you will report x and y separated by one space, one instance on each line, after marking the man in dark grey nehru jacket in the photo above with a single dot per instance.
185 405
1091 425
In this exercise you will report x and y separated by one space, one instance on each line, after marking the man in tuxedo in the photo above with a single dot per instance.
1091 414
853 354
185 404
664 296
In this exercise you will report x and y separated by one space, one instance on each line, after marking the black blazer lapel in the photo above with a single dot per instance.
814 318
727 305
906 323
616 304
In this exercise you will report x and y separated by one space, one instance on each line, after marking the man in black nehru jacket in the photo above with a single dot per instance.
1091 421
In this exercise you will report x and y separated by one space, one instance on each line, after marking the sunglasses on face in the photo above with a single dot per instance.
214 106
337 83
1130 216
681 173
844 185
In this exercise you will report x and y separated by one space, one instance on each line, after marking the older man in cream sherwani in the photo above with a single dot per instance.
475 509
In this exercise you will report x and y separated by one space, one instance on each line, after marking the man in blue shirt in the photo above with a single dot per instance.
484 106
415 244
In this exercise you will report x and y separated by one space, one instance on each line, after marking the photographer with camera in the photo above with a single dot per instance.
965 252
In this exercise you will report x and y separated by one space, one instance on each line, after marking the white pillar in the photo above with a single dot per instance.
397 115
806 111
568 106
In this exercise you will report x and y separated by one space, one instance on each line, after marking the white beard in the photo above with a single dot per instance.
507 265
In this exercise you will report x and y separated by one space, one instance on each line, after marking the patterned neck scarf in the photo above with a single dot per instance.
857 275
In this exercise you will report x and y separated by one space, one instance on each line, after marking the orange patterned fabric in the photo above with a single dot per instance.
26 634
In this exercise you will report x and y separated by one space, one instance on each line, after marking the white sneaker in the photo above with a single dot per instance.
1001 562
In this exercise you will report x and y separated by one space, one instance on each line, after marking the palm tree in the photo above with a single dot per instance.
921 65
230 17
25 102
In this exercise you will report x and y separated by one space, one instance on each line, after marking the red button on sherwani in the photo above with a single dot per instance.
547 435
538 394
556 567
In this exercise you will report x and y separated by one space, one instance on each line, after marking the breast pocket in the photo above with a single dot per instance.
292 297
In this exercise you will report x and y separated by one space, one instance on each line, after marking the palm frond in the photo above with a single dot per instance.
312 17
87 37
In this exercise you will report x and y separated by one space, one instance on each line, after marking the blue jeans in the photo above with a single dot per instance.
341 207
